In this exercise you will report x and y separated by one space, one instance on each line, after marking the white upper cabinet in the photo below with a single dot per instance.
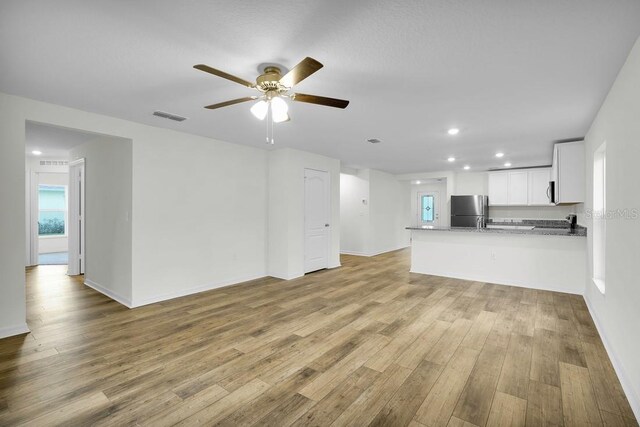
539 190
568 172
498 188
518 184
522 187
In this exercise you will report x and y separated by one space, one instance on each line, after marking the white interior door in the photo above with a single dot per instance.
429 208
76 218
316 220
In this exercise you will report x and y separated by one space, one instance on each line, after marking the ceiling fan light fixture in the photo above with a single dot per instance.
260 109
279 110
281 119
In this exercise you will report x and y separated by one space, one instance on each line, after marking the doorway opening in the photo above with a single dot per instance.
429 202
53 218
52 196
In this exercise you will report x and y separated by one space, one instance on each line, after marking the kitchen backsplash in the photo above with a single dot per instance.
531 212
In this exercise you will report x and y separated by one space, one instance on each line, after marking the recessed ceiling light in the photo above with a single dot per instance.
499 154
36 152
467 167
453 131
506 165
451 159
417 182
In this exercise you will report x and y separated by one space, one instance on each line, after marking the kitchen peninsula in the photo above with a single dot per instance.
543 256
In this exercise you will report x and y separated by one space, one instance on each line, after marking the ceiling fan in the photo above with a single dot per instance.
273 88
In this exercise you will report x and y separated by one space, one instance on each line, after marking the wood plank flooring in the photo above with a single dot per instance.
365 344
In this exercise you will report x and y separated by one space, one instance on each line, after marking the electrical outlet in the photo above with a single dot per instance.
493 256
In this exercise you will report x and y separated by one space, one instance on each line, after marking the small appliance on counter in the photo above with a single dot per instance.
469 211
573 221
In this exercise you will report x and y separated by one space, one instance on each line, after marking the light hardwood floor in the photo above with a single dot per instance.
365 344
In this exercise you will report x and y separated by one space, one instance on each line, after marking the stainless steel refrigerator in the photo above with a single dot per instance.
469 211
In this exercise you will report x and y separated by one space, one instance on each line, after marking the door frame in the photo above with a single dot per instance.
77 245
436 198
304 222
34 203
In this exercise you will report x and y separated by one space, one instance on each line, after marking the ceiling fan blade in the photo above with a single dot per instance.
222 74
320 100
232 102
304 69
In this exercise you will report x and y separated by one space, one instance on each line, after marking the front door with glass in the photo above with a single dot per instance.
428 208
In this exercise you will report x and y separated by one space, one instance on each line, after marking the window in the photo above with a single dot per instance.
427 208
599 215
52 214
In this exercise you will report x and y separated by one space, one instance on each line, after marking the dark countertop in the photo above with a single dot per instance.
579 231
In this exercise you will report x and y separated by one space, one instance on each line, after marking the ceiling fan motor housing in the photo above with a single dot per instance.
269 81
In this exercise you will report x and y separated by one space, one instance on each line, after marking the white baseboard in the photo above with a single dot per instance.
14 330
370 254
195 290
114 296
282 276
353 253
625 381
389 250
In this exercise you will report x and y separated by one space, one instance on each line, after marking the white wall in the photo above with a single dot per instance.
199 214
354 212
617 313
531 212
52 178
286 210
12 218
53 244
378 225
389 206
49 245
108 202
470 183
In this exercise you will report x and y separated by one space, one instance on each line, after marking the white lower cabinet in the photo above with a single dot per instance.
523 187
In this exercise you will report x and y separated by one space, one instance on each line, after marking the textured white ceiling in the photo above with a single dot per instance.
513 75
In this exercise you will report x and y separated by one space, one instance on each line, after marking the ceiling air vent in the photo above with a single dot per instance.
374 140
169 116
53 163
